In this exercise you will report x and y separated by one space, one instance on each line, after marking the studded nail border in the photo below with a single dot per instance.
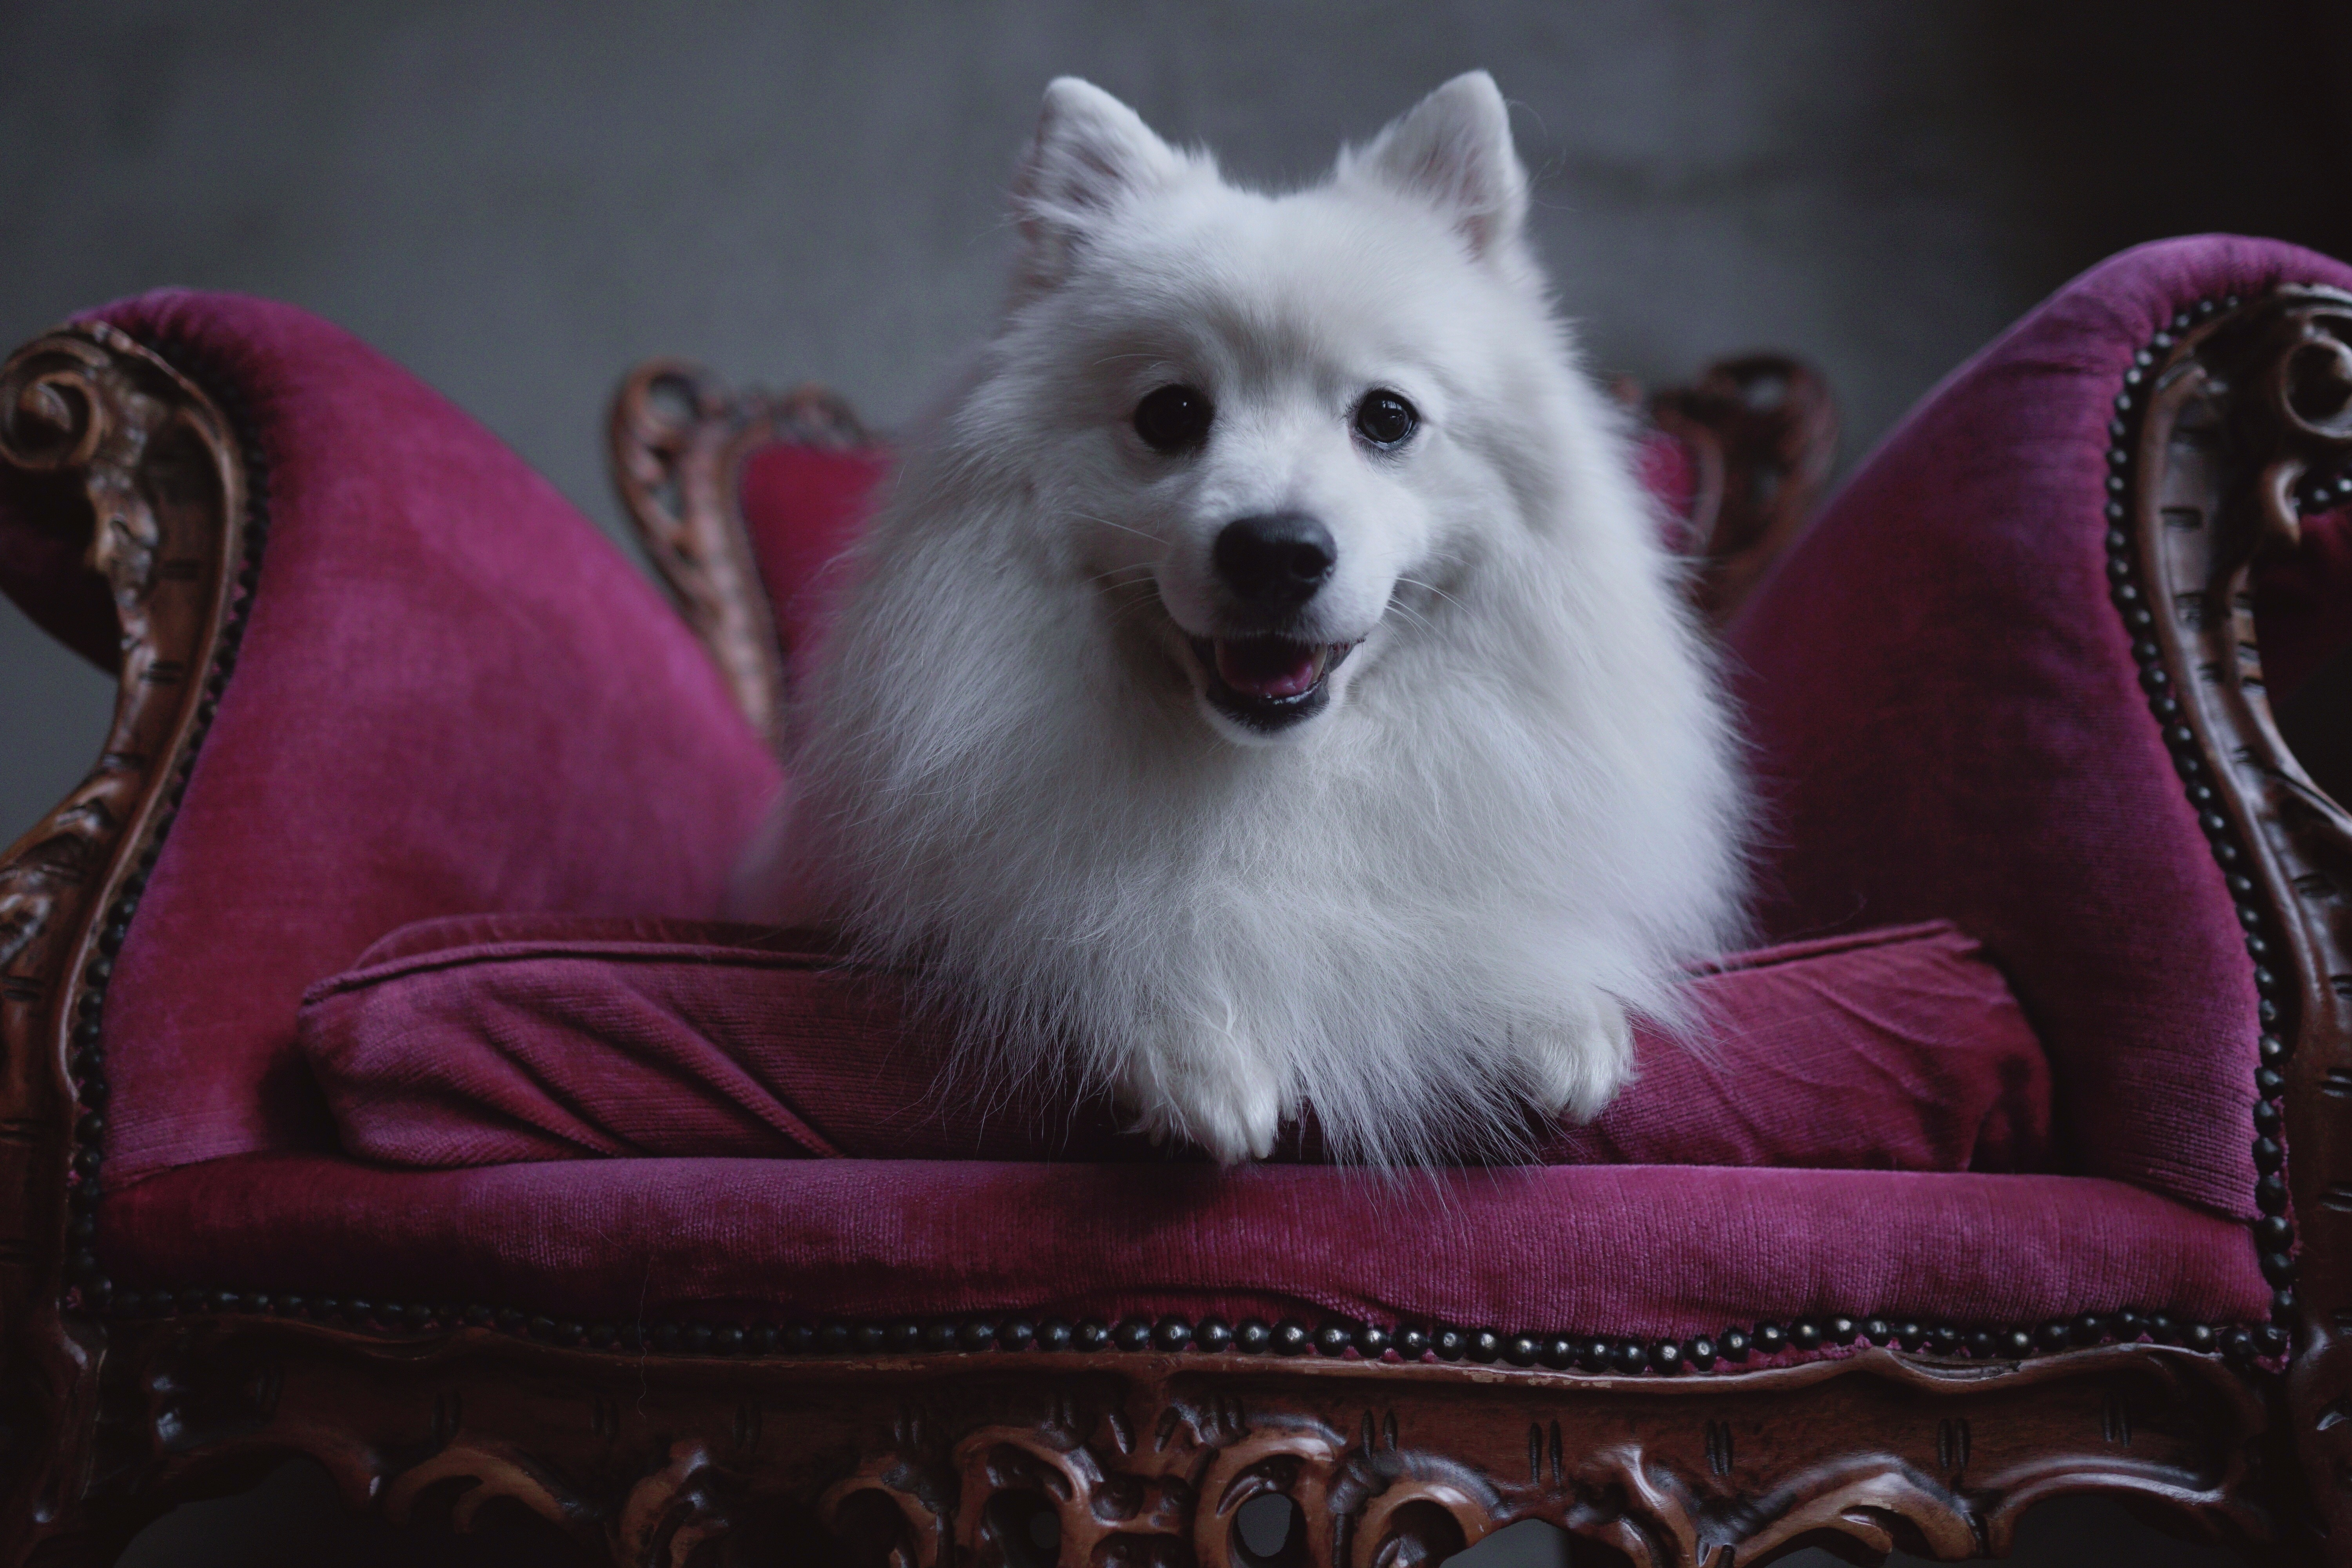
2272 1231
87 1284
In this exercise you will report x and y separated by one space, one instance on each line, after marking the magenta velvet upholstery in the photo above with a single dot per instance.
1947 724
483 1040
1608 1250
802 506
453 695
456 699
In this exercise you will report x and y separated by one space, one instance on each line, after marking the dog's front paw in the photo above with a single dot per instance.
1575 1062
1229 1107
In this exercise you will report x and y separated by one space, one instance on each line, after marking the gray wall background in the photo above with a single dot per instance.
519 199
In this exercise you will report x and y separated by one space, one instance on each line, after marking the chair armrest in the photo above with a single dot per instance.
122 522
371 670
2237 536
2014 677
440 690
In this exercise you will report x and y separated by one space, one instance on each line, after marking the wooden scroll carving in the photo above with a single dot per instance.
1031 1460
1762 432
2243 412
677 438
142 466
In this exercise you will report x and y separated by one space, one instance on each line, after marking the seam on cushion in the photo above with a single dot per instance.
1922 932
623 953
820 962
1831 946
465 933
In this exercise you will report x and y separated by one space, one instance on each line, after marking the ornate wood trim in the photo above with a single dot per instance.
678 437
935 1461
1762 430
2231 422
147 466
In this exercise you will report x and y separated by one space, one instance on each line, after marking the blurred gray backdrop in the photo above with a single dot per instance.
519 199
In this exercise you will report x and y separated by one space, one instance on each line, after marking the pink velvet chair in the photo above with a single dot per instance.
377 1089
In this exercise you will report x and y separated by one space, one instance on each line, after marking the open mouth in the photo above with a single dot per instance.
1268 682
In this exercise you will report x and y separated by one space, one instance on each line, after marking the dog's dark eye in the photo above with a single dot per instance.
1385 419
1174 418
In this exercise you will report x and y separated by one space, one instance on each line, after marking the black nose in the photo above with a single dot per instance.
1281 559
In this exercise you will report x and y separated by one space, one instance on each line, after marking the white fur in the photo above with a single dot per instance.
1432 902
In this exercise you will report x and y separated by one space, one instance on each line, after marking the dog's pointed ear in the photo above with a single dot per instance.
1453 150
1090 154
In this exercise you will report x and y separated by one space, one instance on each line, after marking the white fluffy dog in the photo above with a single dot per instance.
1264 685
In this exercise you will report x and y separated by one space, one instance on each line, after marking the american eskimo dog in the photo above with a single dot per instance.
1264 685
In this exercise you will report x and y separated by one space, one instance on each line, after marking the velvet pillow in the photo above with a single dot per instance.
498 1039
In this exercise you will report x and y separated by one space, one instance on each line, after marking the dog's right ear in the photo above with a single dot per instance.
1091 153
1453 150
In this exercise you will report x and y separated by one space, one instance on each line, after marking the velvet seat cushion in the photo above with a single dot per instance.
474 1042
1647 1250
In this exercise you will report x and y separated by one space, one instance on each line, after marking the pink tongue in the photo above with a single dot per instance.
1269 668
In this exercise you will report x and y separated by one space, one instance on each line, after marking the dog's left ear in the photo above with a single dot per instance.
1453 151
1091 153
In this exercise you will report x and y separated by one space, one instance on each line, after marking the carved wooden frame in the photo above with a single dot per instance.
677 437
1762 432
949 1444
